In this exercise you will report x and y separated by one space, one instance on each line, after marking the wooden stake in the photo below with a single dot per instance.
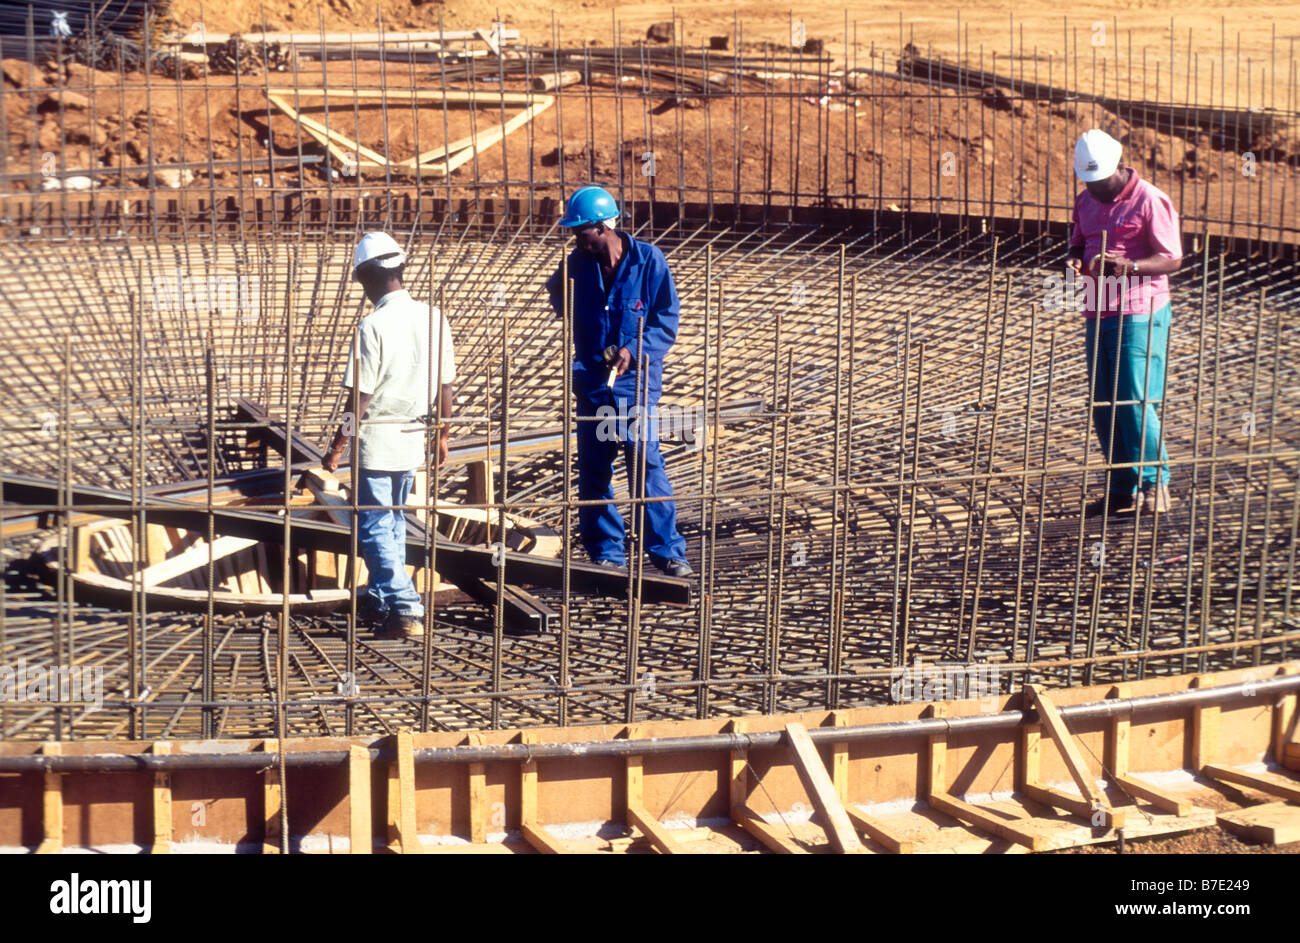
937 783
52 806
738 777
162 804
401 787
1284 720
272 795
360 832
1118 746
1205 729
478 804
840 760
533 831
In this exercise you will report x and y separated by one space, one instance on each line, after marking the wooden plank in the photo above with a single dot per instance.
1090 813
474 96
272 796
360 832
771 837
821 790
1065 742
339 144
462 150
660 837
401 814
479 812
194 557
879 832
541 840
1164 801
51 806
1275 823
1205 729
162 804
521 568
1270 783
987 821
1291 759
156 544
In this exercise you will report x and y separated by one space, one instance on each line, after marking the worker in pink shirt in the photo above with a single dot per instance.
1127 311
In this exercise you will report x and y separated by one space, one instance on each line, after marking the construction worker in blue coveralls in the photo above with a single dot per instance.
625 315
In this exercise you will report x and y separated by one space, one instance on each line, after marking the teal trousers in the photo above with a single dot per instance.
1127 365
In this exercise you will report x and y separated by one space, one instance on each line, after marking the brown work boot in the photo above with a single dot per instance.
399 626
1115 502
1156 498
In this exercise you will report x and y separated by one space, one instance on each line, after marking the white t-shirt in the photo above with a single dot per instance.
396 369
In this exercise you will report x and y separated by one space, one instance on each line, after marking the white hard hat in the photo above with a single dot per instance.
1096 156
379 248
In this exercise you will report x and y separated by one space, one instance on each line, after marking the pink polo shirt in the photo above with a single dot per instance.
1140 222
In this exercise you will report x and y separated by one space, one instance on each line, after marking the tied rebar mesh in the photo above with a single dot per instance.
908 496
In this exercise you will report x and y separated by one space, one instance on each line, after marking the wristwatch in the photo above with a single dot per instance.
1135 268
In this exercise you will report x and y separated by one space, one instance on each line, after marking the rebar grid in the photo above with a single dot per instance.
940 522
912 489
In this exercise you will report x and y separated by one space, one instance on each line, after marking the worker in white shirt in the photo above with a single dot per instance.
393 384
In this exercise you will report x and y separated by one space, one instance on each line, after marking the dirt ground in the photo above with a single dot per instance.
886 141
1239 29
886 146
1207 841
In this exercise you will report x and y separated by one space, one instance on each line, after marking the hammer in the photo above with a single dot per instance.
610 356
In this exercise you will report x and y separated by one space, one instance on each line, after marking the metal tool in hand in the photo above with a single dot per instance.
610 356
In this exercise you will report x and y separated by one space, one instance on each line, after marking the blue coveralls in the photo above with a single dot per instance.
1123 366
604 315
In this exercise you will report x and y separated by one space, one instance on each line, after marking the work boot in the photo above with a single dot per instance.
609 564
1156 498
368 612
399 625
1115 502
676 568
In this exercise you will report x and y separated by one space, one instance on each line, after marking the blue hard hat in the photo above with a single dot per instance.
590 204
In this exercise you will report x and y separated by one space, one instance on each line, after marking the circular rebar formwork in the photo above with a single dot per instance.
895 512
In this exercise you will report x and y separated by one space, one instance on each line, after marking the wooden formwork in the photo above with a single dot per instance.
1033 771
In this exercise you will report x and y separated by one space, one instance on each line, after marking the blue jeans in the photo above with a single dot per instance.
382 538
1120 368
602 528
